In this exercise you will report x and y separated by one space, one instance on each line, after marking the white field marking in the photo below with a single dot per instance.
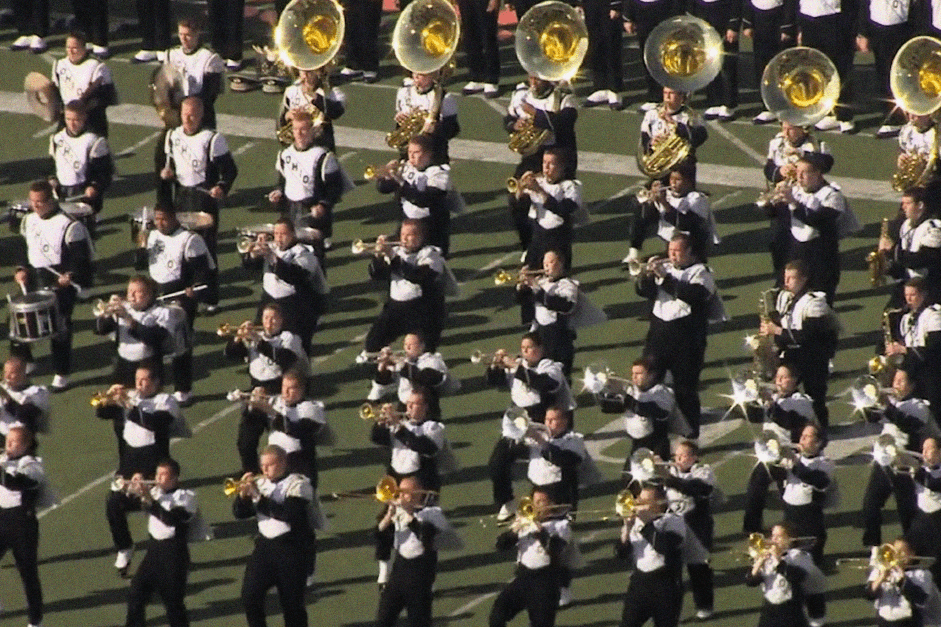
132 149
472 604
49 130
356 340
219 415
473 150
720 201
496 106
243 148
347 155
738 143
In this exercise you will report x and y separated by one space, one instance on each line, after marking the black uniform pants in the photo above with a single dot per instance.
681 351
400 317
251 427
19 532
226 18
756 495
408 588
117 506
543 240
648 17
657 595
833 35
558 342
31 16
883 483
61 343
536 591
198 199
163 570
605 45
505 453
280 564
362 41
480 40
807 521
154 18
885 41
701 576
92 19
766 37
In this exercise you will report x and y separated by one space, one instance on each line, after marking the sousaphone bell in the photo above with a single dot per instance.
551 41
426 35
309 33
683 53
43 97
915 77
800 86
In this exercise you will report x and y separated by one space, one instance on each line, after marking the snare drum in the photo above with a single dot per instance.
34 316
142 222
80 211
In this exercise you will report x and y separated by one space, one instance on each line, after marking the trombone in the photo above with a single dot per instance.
528 514
115 395
231 487
759 545
886 557
502 277
360 247
387 491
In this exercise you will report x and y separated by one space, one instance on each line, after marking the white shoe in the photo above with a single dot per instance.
144 56
123 560
565 597
614 101
765 117
818 622
161 55
632 255
362 358
383 577
375 392
703 614
829 123
507 511
233 65
59 382
472 88
847 127
648 106
711 113
101 52
22 43
37 45
725 114
491 90
370 77
888 130
182 397
523 256
597 98
310 580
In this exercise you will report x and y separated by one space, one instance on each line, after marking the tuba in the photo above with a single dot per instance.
915 79
551 42
800 86
424 40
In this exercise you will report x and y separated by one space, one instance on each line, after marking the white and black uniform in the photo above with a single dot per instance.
423 195
202 72
308 177
804 491
684 302
917 253
901 599
283 548
535 388
57 242
690 213
783 583
414 448
769 21
830 27
295 429
27 407
21 480
429 371
269 358
332 105
81 161
552 219
690 495
924 534
547 308
685 123
165 567
416 296
152 334
655 589
920 332
89 81
415 540
924 142
408 99
539 556
646 415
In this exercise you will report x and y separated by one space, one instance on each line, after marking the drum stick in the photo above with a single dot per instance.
196 288
82 292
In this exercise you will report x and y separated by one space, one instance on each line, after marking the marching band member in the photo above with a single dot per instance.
22 403
640 18
143 329
652 538
417 367
787 578
806 335
82 160
917 252
177 260
690 486
722 92
310 182
81 77
143 422
360 44
165 567
153 19
415 531
479 19
770 27
673 116
422 188
544 106
292 279
281 503
425 93
786 412
882 28
645 405
270 353
548 303
924 534
540 544
535 381
22 478
604 21
555 202
200 67
203 171
830 27
312 90
226 19
918 138
900 592
808 488
920 345
905 420
32 26
59 256
684 302
415 272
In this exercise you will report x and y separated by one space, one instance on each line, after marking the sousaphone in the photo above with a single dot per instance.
309 33
915 80
551 41
43 97
800 86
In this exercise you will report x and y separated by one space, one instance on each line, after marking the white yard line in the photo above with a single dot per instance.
472 604
132 149
49 130
738 143
243 148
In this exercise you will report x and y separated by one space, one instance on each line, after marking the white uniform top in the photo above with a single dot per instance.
638 426
646 558
192 154
166 253
426 360
293 485
554 102
406 461
780 150
828 196
655 126
774 585
72 154
912 140
400 288
809 305
796 492
889 12
135 435
891 605
928 501
563 287
408 98
263 368
186 499
766 5
36 395
132 348
406 542
936 14
26 465
565 189
666 306
818 8
194 66
531 553
693 202
927 234
682 504
299 169
45 238
915 330
296 98
434 176
523 396
74 80
796 402
300 255
305 410
543 472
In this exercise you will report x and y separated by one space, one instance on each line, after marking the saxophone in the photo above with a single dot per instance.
415 121
765 356
884 366
878 259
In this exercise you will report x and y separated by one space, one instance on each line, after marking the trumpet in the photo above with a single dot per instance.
128 486
252 397
868 393
644 464
360 247
637 268
115 395
770 450
231 487
651 195
246 243
773 194
381 414
522 424
598 375
114 306
373 172
478 357
515 185
245 331
502 277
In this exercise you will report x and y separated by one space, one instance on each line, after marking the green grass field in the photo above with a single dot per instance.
80 585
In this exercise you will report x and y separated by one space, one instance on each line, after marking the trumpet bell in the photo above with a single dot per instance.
915 77
368 411
683 53
387 490
800 86
502 277
426 35
596 376
551 41
230 486
865 392
624 504
309 33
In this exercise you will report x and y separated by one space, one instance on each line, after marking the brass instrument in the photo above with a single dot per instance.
43 97
231 487
502 277
128 485
551 41
252 237
884 366
360 247
528 514
523 424
759 546
683 53
638 269
665 151
309 33
387 491
770 450
114 306
396 356
382 414
478 357
598 375
115 395
513 184
915 76
916 169
526 140
747 387
166 94
868 393
766 357
800 85
373 172
251 397
245 332
885 558
285 132
775 193
644 464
